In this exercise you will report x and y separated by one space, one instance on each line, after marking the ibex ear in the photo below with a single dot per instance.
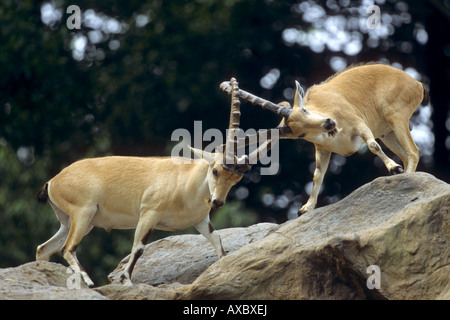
207 156
299 94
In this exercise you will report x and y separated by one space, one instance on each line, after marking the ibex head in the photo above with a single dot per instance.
225 168
220 180
302 123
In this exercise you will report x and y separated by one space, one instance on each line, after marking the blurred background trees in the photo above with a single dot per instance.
137 70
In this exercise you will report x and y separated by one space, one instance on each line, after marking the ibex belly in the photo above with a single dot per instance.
181 219
114 220
169 220
169 224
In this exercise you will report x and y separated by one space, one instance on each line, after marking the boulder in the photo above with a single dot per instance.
42 280
138 291
181 259
389 239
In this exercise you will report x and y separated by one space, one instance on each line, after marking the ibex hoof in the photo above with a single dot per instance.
300 213
125 280
396 170
303 210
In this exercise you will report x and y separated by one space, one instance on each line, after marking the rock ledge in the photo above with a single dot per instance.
393 232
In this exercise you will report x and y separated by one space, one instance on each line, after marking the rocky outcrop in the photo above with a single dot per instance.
390 239
399 224
181 259
42 280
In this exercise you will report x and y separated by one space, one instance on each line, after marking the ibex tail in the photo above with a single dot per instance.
426 96
42 196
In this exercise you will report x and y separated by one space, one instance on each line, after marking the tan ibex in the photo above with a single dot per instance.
363 103
142 193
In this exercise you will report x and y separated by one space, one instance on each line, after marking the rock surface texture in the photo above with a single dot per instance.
389 239
181 259
400 224
42 280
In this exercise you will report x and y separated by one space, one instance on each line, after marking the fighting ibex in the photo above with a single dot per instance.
365 103
142 193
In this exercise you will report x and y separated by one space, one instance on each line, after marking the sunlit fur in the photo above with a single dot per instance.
133 192
366 102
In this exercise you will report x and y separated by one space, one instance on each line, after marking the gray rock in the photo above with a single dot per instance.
393 232
139 292
400 224
181 259
41 280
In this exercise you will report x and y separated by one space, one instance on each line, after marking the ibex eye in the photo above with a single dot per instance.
215 172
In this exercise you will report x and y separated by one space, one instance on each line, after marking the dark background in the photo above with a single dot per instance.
138 70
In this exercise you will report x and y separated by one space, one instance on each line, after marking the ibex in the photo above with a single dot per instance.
141 193
365 103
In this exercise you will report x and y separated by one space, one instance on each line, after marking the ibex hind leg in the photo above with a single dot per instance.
375 148
404 140
78 229
55 243
391 141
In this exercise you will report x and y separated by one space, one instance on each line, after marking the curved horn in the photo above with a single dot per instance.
235 112
235 117
265 104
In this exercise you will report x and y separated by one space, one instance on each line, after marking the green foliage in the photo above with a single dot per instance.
23 221
233 214
42 103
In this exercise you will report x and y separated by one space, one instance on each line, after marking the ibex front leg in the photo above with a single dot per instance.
322 161
143 230
205 228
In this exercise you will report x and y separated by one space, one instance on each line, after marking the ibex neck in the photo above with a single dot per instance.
197 184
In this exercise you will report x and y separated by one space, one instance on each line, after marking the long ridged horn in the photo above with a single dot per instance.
265 104
233 127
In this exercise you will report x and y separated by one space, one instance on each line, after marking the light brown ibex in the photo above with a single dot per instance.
142 193
364 103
